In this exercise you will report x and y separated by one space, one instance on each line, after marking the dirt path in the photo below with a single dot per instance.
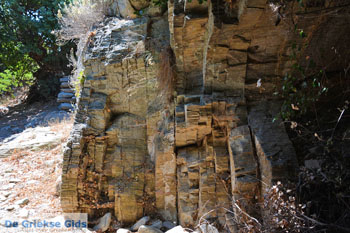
29 178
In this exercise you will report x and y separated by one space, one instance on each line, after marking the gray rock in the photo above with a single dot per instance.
16 130
23 213
65 100
65 106
10 208
8 186
65 85
65 95
70 90
15 181
32 139
30 125
125 9
142 221
3 110
2 198
157 224
276 154
7 128
207 228
56 116
122 230
104 223
64 79
6 193
177 229
58 185
148 229
168 225
22 202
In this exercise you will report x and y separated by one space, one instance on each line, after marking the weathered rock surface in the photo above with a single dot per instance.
207 228
30 139
148 229
133 153
103 223
139 223
177 229
22 202
168 225
122 230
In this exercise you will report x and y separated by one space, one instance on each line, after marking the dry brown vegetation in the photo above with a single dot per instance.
37 173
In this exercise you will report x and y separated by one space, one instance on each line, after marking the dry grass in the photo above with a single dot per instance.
37 174
166 76
78 17
64 127
77 20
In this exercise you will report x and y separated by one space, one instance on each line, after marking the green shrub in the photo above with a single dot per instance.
18 75
303 85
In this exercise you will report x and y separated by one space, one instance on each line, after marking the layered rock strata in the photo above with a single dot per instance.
213 147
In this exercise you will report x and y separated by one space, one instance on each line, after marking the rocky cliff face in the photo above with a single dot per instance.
134 153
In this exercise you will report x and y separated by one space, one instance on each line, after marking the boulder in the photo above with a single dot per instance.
168 225
122 230
142 221
157 224
139 4
65 85
177 229
66 106
103 223
207 228
125 9
65 95
64 79
70 90
65 100
148 229
22 202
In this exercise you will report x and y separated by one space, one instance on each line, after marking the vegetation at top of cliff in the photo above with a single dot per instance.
28 52
76 20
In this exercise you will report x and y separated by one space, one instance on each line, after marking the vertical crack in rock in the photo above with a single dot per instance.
244 174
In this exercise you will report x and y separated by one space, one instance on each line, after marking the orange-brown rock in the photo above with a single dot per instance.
133 153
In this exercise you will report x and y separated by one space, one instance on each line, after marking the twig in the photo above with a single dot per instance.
325 224
323 9
341 114
245 213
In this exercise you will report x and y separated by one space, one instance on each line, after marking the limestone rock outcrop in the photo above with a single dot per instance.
134 153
